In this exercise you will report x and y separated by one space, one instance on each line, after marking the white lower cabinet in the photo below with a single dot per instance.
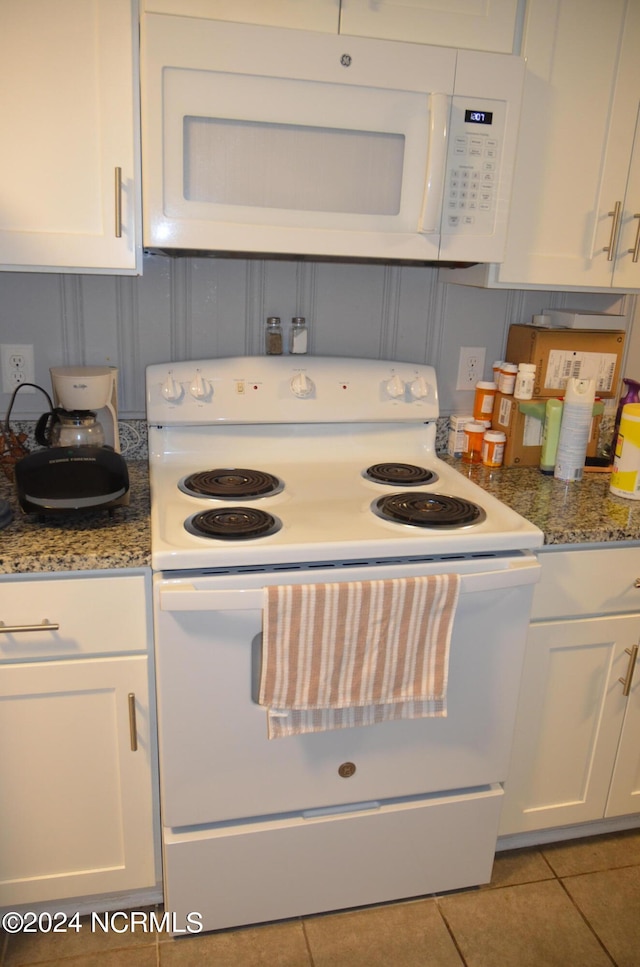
576 752
78 813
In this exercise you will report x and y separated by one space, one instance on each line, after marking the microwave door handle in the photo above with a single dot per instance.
429 223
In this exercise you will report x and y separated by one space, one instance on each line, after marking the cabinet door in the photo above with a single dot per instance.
302 14
484 26
76 808
69 184
624 795
570 714
573 151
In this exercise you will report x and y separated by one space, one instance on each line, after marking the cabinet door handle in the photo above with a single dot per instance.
133 727
635 251
628 678
615 225
46 625
118 205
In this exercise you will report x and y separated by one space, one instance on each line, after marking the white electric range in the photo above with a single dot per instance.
298 470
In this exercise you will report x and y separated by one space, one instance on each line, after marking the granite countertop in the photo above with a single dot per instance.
82 541
576 513
567 513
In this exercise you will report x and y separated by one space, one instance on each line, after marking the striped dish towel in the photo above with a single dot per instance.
355 653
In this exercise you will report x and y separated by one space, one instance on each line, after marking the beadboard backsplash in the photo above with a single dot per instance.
188 308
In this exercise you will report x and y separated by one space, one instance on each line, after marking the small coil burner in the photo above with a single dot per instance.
406 474
233 524
428 510
231 484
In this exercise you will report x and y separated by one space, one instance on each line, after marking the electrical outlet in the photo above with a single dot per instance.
470 366
17 367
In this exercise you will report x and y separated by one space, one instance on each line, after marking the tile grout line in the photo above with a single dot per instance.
449 930
586 921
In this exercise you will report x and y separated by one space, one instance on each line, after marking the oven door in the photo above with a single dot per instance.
217 763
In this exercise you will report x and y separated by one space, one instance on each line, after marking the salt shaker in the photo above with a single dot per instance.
298 335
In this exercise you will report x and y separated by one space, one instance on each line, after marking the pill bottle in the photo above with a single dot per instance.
525 379
473 435
493 444
483 400
496 369
507 379
273 337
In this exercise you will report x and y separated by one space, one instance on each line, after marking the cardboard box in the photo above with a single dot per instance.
560 354
579 319
523 422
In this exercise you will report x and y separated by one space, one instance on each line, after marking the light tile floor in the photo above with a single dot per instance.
574 904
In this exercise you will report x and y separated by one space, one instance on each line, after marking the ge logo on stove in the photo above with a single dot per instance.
347 769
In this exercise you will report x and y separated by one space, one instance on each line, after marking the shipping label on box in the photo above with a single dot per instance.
563 364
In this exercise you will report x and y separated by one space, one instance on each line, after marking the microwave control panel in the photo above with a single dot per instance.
472 181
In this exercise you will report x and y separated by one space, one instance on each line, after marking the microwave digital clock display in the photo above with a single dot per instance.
479 117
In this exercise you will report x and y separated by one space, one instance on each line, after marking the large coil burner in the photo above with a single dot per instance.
233 524
400 474
231 484
421 509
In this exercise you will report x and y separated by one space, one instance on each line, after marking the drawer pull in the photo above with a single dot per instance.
118 205
635 251
133 727
19 629
628 678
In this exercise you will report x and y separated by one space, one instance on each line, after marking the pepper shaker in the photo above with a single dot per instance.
273 337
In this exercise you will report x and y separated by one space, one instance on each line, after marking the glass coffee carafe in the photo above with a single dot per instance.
70 428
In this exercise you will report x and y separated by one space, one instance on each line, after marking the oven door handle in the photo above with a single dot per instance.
187 597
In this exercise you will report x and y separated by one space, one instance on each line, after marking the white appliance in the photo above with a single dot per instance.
270 140
89 388
258 829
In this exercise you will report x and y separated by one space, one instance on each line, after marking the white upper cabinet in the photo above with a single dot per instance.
301 14
69 185
466 23
575 211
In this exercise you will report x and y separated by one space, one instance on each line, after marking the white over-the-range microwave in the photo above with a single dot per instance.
268 140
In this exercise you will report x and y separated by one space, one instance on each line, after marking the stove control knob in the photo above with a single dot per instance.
171 389
395 387
301 385
199 387
419 388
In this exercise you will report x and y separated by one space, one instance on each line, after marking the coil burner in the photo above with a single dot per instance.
405 474
231 484
233 524
428 510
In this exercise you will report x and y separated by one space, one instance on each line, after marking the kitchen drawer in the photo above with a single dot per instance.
101 615
584 582
306 864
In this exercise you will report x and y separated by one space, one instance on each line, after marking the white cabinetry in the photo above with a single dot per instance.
466 23
78 815
69 126
321 15
576 753
575 210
